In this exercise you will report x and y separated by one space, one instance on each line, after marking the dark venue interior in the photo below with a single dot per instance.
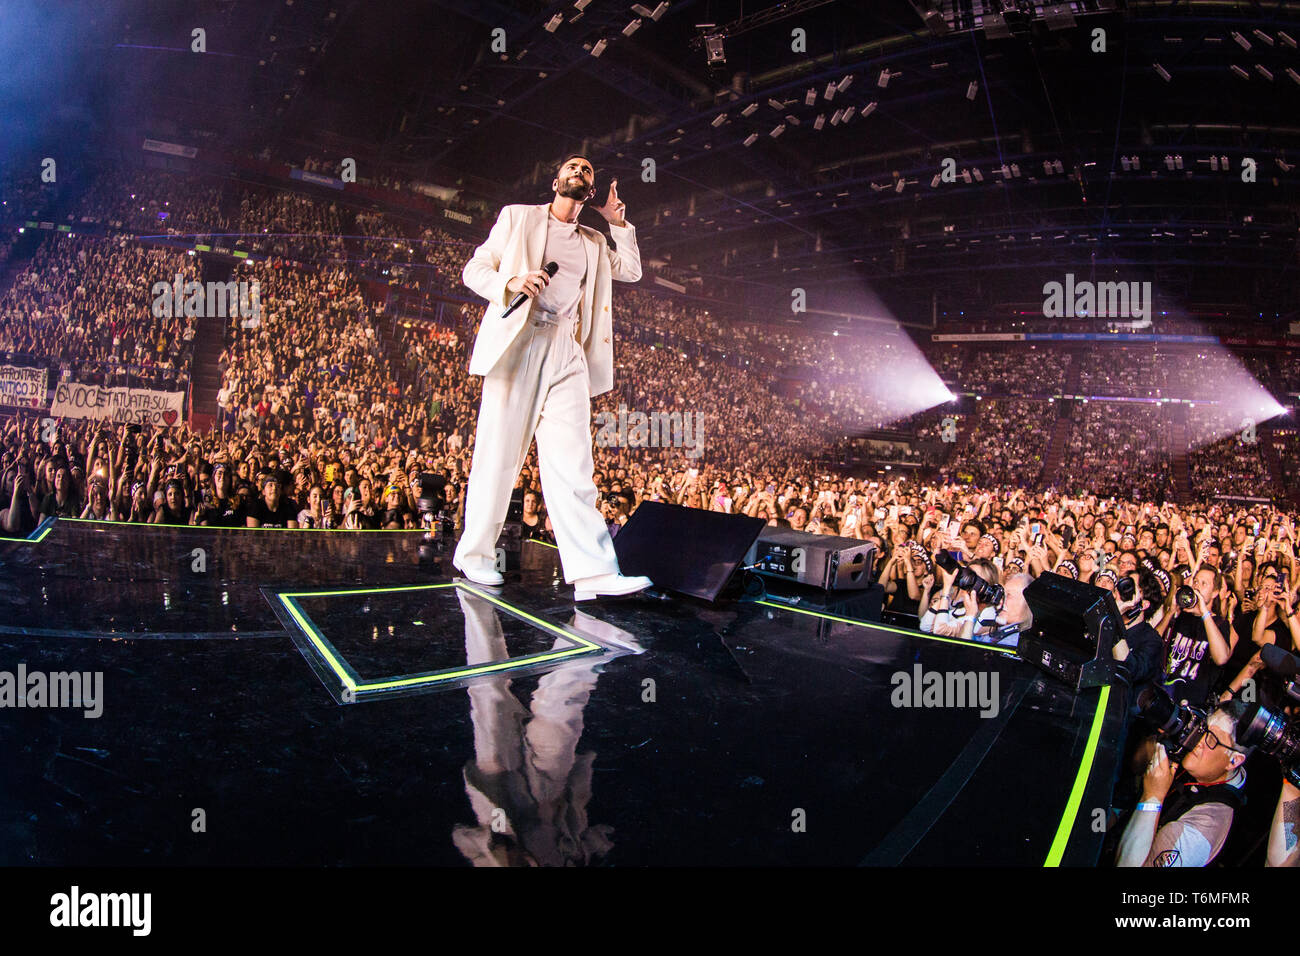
906 429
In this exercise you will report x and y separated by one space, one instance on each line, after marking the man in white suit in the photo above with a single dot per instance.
541 367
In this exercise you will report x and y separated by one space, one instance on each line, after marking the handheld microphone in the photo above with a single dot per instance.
518 300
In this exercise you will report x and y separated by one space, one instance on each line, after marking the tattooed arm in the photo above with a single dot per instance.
1284 837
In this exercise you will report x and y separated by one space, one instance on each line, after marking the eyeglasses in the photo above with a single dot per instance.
1212 742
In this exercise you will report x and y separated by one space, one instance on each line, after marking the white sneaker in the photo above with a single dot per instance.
608 585
488 577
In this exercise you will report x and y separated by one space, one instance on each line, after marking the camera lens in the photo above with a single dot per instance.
1185 597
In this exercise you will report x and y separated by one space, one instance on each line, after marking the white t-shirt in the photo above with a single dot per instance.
566 248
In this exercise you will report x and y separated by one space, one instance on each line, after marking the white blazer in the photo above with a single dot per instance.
514 247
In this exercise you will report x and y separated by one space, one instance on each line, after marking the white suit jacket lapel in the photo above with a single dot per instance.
590 246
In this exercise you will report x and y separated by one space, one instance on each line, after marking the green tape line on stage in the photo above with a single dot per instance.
38 534
353 682
1009 652
1066 826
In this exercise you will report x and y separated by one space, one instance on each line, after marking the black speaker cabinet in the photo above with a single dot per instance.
1075 629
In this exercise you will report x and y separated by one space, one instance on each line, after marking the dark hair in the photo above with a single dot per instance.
560 166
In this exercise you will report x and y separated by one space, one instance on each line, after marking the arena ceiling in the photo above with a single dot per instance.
1120 156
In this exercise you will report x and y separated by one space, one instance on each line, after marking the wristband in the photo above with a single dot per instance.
1153 805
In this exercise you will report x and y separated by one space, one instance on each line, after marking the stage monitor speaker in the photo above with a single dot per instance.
1075 629
686 550
823 561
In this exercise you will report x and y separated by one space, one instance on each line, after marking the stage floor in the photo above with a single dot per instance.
297 697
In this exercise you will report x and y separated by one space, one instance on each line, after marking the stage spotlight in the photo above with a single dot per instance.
599 48
883 80
1264 72
749 110
713 45
820 121
1161 72
631 28
1241 40
1240 72
810 98
553 24
751 139
1287 39
869 109
972 90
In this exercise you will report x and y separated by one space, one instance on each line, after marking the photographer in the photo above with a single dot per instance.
1185 814
956 613
1141 645
1200 643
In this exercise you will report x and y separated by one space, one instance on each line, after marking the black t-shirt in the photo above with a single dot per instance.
1189 670
71 508
535 532
172 517
1144 650
227 513
285 512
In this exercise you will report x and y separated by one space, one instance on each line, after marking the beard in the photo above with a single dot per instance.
573 189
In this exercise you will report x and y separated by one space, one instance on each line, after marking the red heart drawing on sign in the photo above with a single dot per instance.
169 416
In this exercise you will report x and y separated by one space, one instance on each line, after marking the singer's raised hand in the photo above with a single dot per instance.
530 283
614 207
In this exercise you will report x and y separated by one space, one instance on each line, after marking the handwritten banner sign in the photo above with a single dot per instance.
22 387
74 400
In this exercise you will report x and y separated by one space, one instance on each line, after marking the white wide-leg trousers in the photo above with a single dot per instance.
540 387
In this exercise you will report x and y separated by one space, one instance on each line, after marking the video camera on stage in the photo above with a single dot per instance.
1275 733
1179 725
965 579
